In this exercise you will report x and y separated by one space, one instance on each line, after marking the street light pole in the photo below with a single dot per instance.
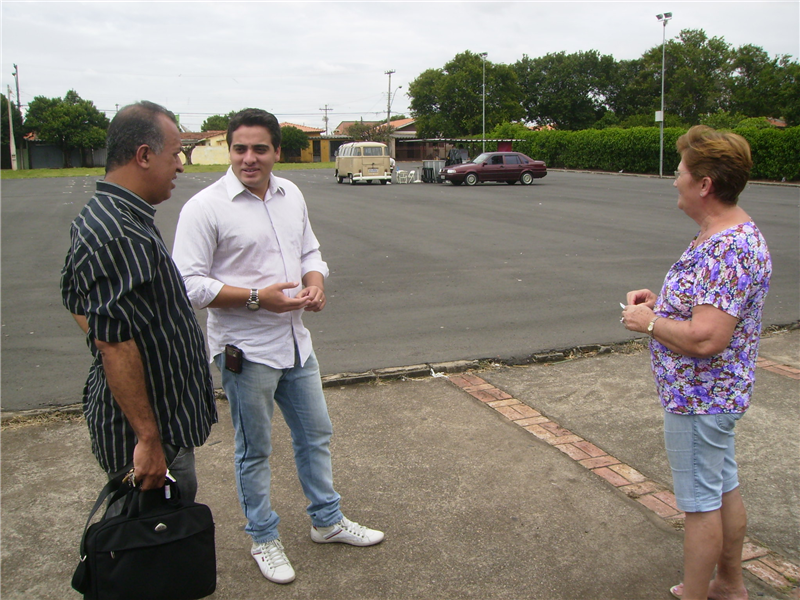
389 112
664 20
483 136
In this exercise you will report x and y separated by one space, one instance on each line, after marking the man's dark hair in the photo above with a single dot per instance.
251 117
133 126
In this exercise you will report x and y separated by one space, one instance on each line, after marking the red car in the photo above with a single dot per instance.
510 167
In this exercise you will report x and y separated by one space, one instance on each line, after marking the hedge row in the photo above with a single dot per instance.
776 152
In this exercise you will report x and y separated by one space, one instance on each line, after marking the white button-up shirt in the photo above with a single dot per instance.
228 236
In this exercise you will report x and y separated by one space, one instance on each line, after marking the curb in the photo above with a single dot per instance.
427 370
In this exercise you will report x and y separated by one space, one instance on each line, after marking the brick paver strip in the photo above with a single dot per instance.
483 386
752 550
600 461
613 478
774 570
591 449
531 421
769 575
572 451
556 429
508 402
668 498
774 367
657 506
782 566
628 472
640 489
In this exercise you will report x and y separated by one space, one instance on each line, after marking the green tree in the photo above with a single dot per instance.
754 84
293 141
217 122
449 101
68 123
790 91
635 88
17 121
697 69
369 131
570 91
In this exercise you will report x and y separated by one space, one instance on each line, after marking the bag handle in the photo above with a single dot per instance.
114 486
119 488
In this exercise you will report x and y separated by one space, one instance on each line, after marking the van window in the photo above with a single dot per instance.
373 151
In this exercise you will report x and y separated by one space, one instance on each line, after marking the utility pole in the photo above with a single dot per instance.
16 79
389 100
389 110
325 118
11 144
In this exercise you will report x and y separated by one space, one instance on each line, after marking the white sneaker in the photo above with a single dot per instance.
347 532
272 561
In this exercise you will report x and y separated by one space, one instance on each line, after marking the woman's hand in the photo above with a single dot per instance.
645 297
636 317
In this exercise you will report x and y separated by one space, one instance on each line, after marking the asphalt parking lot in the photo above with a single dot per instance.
419 272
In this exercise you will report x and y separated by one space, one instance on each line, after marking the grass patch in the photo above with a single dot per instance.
100 171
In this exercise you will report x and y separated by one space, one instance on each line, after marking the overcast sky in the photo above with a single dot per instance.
295 58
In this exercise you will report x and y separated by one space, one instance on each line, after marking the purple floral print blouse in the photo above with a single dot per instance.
731 271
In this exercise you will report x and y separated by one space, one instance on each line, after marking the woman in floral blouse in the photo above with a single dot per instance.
705 327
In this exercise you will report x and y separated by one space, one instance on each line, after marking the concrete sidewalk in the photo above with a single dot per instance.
541 481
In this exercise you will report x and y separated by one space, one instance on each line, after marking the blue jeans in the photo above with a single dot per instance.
702 456
298 392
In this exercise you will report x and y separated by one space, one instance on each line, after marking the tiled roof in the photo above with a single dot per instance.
401 123
201 135
345 125
302 127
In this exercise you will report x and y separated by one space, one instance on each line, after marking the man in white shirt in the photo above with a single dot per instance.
244 245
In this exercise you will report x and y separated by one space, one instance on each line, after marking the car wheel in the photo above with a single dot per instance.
384 182
471 179
526 179
339 179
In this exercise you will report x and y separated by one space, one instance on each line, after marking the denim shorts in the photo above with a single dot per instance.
701 455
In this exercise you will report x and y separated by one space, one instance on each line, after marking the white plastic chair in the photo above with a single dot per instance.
411 176
402 176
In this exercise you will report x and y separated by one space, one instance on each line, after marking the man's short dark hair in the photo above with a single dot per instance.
133 126
252 117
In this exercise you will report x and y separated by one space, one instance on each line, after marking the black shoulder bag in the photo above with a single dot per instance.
160 548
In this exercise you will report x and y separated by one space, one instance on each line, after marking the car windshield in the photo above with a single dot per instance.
481 158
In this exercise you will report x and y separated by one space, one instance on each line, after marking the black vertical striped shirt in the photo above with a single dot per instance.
119 274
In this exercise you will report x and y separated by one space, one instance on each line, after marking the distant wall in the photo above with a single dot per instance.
47 156
209 155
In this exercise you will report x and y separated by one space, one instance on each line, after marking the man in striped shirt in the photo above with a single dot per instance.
149 399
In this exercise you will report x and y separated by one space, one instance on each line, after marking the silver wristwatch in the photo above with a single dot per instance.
252 302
